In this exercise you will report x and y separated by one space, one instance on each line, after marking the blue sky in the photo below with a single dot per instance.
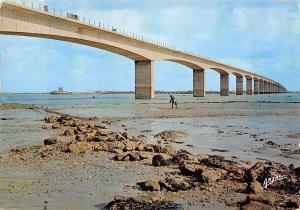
262 36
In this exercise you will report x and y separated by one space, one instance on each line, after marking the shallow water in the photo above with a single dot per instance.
126 106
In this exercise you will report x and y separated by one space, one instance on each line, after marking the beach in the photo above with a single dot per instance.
226 137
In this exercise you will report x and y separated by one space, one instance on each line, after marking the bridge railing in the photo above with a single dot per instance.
81 19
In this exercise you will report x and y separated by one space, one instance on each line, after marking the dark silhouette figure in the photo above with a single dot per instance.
173 101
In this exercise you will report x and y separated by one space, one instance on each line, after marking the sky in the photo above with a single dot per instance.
262 36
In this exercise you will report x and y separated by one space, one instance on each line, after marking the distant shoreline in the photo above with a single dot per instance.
118 92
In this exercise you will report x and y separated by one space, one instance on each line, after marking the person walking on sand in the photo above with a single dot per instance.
173 101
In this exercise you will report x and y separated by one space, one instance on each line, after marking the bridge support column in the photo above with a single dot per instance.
272 88
249 86
261 87
198 82
144 79
239 85
224 84
256 86
266 87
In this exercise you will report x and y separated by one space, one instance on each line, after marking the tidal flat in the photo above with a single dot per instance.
82 152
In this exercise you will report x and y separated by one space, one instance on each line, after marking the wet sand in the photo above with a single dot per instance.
69 181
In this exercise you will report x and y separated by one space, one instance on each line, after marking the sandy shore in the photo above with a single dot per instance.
89 161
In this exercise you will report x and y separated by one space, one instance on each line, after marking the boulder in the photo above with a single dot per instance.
125 135
176 184
56 126
292 204
145 204
182 156
69 132
210 175
169 150
80 138
261 171
159 160
297 171
79 148
150 185
50 119
257 206
50 141
190 169
254 187
129 146
140 147
148 148
134 156
118 157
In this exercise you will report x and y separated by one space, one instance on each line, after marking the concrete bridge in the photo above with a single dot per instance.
16 19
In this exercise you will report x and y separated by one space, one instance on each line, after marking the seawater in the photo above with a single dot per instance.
124 105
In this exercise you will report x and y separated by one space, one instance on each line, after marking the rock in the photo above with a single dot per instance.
79 148
50 141
176 184
292 204
254 187
80 138
190 169
262 171
134 156
50 119
82 129
129 157
215 161
125 135
44 127
158 148
150 185
129 146
169 150
69 132
140 147
118 151
119 157
103 132
271 143
56 126
257 206
181 156
297 171
170 135
118 145
139 204
210 175
148 148
159 160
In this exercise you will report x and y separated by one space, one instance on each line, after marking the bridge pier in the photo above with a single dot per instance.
261 87
248 86
144 79
224 84
266 89
256 86
239 85
198 82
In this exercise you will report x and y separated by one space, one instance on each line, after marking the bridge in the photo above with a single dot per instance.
21 20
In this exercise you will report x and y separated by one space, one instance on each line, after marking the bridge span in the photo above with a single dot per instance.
17 19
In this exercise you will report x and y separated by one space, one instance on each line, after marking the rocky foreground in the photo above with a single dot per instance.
207 177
